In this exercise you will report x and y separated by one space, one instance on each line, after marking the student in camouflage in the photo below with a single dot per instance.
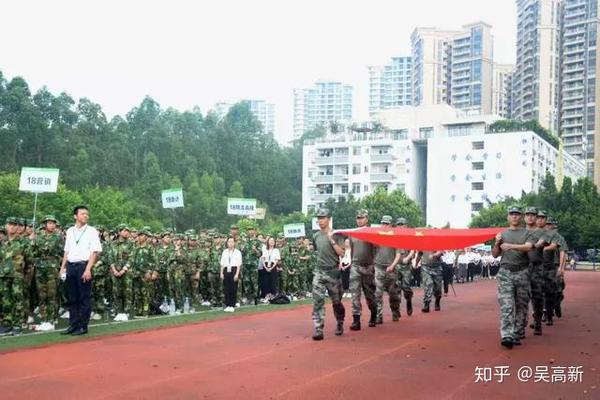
431 270
164 257
551 257
386 275
48 251
143 260
122 252
12 269
405 273
560 260
362 275
326 278
534 222
512 245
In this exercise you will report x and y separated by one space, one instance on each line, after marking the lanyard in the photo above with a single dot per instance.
80 236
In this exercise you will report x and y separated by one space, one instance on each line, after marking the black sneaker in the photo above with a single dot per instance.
537 330
549 321
507 342
516 342
409 309
558 311
317 336
373 320
396 316
379 320
425 308
437 304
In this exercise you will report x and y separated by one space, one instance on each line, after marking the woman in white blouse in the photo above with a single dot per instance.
270 259
231 261
345 263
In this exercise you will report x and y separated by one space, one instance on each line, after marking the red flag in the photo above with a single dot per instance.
423 239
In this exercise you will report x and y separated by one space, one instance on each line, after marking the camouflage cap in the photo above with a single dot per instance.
401 221
386 219
323 213
192 237
234 226
11 220
28 222
49 217
552 221
514 210
146 230
531 210
21 221
362 213
542 214
122 227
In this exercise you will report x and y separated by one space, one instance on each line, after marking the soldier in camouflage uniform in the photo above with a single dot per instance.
193 265
49 249
203 274
405 273
550 271
362 275
214 271
29 291
177 272
143 261
292 271
12 270
513 245
165 253
431 270
121 268
559 261
101 284
251 252
327 277
386 276
304 266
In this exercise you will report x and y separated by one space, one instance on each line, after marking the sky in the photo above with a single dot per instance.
198 53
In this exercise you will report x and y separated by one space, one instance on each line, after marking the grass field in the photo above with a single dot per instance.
105 328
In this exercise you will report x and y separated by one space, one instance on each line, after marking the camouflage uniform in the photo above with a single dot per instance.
143 262
404 277
431 270
214 275
304 269
549 273
386 281
192 274
177 277
164 258
122 252
292 271
101 284
48 251
250 268
12 283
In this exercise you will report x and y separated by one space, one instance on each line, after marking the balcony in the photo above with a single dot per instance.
322 179
322 197
571 32
382 158
382 177
340 159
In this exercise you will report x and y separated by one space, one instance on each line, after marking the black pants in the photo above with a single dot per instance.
79 293
262 283
470 272
272 279
447 275
230 287
346 280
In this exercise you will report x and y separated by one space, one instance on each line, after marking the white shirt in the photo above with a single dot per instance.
80 243
231 258
346 259
271 256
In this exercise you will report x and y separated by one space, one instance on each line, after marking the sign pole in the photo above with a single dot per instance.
34 209
173 218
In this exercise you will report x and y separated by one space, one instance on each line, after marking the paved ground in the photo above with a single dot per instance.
271 356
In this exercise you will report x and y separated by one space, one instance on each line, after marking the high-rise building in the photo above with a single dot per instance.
325 102
502 90
471 65
536 77
390 85
579 91
453 67
264 112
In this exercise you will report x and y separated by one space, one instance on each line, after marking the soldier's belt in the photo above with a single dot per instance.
515 268
364 265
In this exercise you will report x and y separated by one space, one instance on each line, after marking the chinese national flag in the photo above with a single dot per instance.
423 239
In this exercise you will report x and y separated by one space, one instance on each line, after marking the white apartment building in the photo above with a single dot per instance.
536 77
579 91
390 85
264 112
419 151
325 102
502 90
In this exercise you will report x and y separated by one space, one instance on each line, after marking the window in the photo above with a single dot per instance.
476 185
355 169
459 130
356 188
477 165
356 151
366 169
478 145
366 188
425 133
476 207
344 189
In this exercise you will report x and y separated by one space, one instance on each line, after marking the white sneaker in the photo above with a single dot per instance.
206 303
237 304
96 317
65 315
121 317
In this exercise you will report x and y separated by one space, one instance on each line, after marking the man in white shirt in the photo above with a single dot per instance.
82 245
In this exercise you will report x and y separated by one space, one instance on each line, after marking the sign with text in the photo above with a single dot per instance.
260 213
38 180
236 206
315 223
293 230
172 198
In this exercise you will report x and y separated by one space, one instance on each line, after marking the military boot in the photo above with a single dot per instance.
537 328
373 319
395 315
558 311
340 328
409 306
425 308
355 323
317 336
437 303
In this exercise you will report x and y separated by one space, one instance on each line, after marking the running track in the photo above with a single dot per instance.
271 356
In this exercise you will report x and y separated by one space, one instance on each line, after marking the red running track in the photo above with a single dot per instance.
271 356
